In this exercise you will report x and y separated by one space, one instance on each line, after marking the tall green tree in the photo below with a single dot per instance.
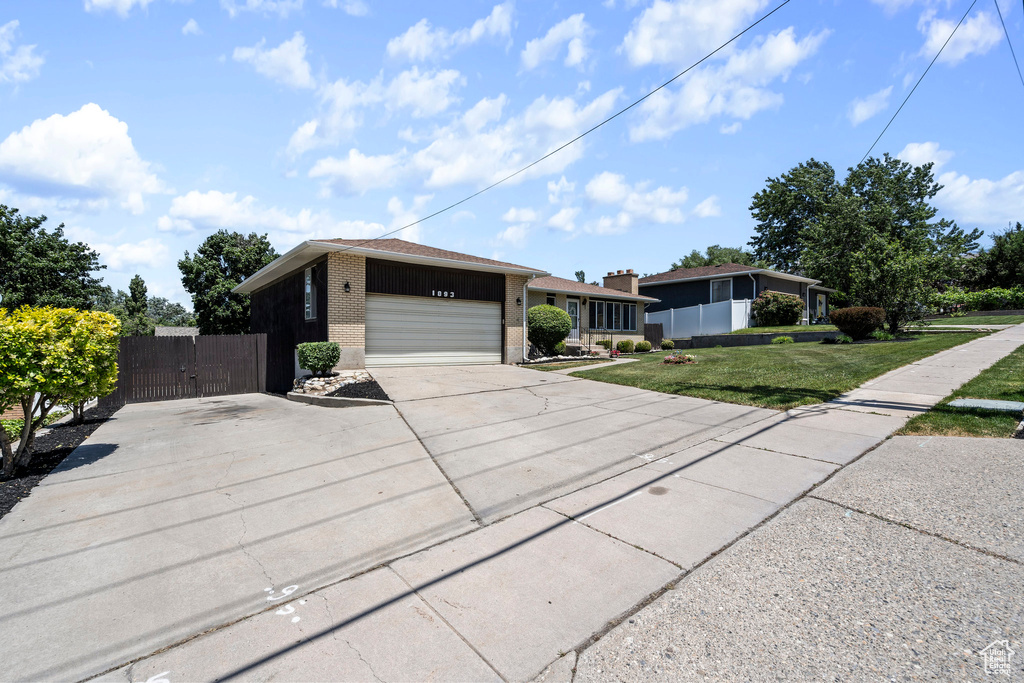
44 268
136 322
717 255
164 312
581 276
785 208
220 264
1002 265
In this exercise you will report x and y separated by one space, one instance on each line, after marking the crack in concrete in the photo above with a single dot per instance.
368 666
241 518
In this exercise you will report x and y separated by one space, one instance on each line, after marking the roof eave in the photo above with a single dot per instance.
431 260
576 292
722 276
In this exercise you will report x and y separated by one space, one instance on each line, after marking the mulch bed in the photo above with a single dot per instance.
368 389
49 450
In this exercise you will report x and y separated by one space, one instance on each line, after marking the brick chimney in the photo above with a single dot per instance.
624 281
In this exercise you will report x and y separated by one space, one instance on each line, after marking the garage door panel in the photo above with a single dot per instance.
422 331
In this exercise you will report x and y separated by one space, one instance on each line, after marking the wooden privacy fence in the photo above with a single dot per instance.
166 368
653 333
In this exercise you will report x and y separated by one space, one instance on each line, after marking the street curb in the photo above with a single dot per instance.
335 401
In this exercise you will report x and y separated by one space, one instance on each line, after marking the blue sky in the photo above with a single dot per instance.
145 125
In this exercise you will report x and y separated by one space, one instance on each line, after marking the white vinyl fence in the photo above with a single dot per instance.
692 321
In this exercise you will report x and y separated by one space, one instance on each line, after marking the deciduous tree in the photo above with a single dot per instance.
717 255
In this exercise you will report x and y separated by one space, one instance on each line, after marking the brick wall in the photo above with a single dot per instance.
538 297
13 413
346 311
514 316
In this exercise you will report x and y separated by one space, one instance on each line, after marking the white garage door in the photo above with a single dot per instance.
412 330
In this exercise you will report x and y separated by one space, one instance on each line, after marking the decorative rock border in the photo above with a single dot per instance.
318 386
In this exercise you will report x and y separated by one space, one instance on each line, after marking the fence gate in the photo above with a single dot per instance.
166 368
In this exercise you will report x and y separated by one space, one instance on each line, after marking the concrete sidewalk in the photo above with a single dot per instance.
528 591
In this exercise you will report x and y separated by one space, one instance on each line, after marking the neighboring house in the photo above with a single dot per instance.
615 311
693 295
172 331
388 302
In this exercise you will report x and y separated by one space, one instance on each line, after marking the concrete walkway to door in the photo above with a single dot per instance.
489 525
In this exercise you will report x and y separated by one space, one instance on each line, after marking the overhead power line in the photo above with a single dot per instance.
918 81
1007 34
578 137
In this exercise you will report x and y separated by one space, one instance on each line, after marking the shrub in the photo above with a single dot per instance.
643 346
829 340
844 339
606 343
882 335
680 359
547 325
994 299
858 321
667 345
319 357
625 346
782 340
776 308
560 348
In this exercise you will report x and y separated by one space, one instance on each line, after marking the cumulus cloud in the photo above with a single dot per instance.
737 89
571 32
191 28
921 153
281 8
355 8
402 215
423 42
682 31
285 64
524 215
357 173
514 235
214 210
565 219
18 64
976 36
708 208
130 255
121 7
863 108
425 94
661 205
560 190
86 154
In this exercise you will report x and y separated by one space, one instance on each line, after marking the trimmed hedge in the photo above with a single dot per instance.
995 299
548 325
625 346
643 346
858 321
318 357
667 345
775 308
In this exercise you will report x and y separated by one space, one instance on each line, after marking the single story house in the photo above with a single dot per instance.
615 311
388 302
686 288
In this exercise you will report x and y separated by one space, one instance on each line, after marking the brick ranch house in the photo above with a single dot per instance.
388 302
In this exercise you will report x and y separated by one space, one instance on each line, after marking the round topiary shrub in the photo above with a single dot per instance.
643 346
858 321
775 308
318 357
547 326
560 348
625 346
667 345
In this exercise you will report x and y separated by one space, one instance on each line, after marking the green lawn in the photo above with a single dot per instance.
979 320
1004 381
785 329
776 376
548 367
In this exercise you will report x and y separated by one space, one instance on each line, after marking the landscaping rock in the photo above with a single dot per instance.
322 386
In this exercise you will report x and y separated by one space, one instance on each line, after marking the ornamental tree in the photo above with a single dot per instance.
51 356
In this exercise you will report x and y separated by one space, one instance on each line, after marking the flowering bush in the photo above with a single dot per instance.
776 308
680 359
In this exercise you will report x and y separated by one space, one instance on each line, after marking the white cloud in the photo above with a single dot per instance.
683 31
285 63
708 208
214 210
863 108
355 8
17 64
560 191
122 7
129 255
738 88
358 173
425 94
565 219
730 129
282 8
661 205
921 153
514 235
87 154
976 36
525 215
572 32
191 28
982 201
423 42
402 216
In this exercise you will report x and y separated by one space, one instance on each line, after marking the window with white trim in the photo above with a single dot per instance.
721 290
612 316
310 294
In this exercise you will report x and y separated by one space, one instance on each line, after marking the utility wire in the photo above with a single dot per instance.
578 137
919 81
1007 34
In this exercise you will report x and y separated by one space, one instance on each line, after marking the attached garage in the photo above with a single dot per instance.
410 330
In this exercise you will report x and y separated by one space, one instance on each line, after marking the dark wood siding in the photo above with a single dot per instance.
743 287
279 311
408 279
677 295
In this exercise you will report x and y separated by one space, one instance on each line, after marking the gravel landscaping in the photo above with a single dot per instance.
49 450
366 389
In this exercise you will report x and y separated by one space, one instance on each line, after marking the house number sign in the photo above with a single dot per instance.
443 294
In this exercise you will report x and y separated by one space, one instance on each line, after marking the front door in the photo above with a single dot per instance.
572 307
